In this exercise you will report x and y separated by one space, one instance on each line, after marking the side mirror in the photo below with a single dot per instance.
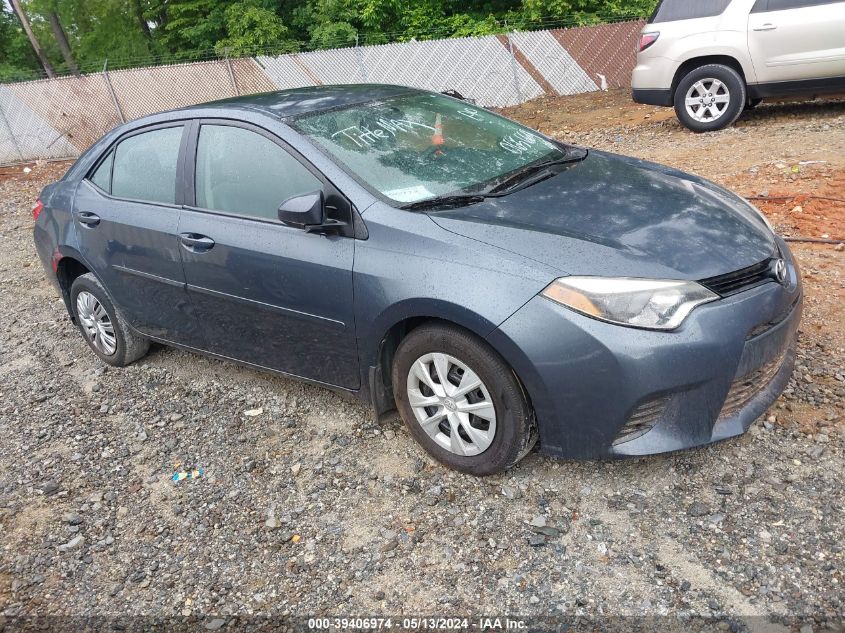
303 211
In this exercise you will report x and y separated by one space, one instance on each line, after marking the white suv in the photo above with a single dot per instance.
712 58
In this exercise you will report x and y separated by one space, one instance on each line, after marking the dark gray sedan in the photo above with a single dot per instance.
426 255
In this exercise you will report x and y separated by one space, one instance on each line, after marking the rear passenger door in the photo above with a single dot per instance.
127 213
265 293
797 40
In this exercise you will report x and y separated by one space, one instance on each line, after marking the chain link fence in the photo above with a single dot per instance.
60 118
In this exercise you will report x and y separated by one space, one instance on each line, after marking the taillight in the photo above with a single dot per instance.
647 39
37 208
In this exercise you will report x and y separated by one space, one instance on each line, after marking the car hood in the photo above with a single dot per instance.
617 216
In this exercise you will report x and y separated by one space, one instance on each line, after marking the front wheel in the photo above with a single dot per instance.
710 97
461 401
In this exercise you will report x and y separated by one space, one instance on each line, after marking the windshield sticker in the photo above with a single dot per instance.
365 136
409 194
522 141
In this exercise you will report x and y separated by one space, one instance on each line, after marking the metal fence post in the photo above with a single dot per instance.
515 69
11 133
111 92
359 58
232 81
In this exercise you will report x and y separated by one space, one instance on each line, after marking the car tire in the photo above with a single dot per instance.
102 326
710 110
500 432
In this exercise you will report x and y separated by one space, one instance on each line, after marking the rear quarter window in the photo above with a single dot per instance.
672 10
102 175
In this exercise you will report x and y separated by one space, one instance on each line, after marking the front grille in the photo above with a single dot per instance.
744 389
642 420
739 280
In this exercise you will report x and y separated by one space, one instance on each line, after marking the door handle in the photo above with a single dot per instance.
195 242
89 219
768 26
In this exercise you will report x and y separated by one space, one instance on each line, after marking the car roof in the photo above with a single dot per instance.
282 104
290 103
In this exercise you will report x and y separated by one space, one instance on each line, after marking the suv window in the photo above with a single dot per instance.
781 5
242 172
145 166
671 10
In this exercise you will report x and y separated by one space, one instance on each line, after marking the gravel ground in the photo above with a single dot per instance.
306 506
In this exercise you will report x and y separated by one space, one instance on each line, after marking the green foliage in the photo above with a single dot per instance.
189 25
583 11
333 35
17 61
252 28
141 32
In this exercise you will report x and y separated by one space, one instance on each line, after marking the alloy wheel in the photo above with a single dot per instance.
451 404
707 100
96 323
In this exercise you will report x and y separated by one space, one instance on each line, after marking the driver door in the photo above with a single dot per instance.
264 293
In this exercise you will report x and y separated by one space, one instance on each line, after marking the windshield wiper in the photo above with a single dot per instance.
525 177
445 202
532 174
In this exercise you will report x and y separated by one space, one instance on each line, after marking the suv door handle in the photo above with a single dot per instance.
89 219
768 26
196 243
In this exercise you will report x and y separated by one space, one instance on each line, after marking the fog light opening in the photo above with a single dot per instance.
642 420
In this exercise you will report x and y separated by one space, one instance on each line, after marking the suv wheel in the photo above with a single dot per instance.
710 98
103 327
461 401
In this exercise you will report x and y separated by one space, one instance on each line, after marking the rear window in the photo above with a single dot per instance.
671 10
145 166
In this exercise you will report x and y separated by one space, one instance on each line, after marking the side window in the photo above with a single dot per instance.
671 10
102 177
242 172
145 166
782 5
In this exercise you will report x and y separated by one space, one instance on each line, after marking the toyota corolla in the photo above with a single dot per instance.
492 284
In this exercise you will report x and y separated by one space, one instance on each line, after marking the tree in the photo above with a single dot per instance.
61 40
189 25
17 59
81 34
36 46
252 28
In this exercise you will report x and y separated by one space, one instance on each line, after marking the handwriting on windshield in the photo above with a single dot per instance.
522 141
470 113
366 136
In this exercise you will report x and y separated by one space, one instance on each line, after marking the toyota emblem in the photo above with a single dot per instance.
780 271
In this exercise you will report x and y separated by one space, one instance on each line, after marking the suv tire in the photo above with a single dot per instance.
102 326
717 96
501 433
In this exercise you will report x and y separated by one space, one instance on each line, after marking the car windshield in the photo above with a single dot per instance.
423 146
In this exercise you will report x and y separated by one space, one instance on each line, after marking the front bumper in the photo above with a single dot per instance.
586 378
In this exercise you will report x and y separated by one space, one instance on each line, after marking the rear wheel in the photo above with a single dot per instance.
102 326
460 400
710 98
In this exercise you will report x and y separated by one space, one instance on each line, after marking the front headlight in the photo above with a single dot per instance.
655 304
